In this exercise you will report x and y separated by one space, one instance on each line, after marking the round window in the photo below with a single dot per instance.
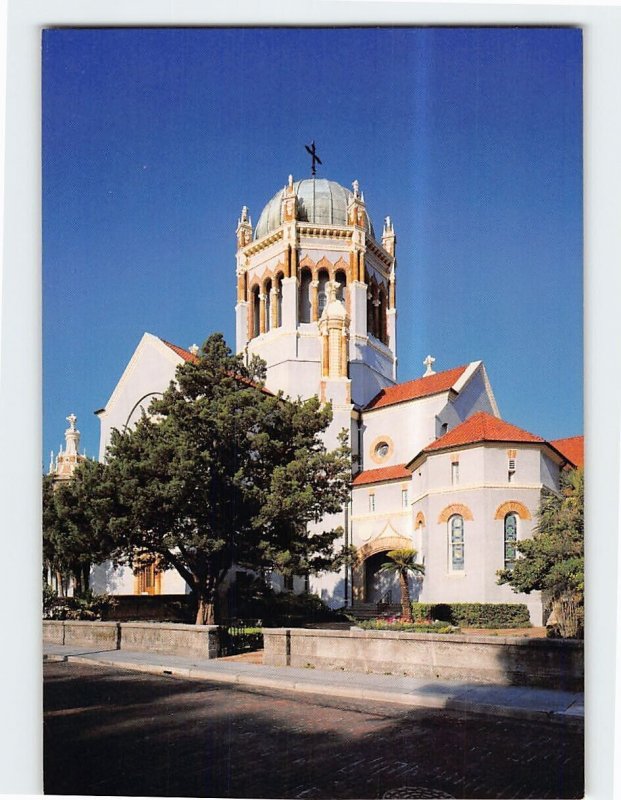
381 450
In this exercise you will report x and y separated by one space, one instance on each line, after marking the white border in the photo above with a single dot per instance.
20 345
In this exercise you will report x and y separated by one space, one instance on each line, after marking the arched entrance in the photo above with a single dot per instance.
379 587
369 584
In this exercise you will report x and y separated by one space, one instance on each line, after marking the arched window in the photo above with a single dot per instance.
278 284
267 290
304 306
322 291
382 332
341 279
510 540
256 311
371 315
456 543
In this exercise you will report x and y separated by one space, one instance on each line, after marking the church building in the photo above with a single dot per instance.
434 466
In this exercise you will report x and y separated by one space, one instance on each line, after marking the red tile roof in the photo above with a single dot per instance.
420 387
483 427
396 472
184 354
572 448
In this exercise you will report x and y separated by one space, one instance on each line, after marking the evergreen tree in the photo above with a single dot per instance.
553 560
222 472
75 513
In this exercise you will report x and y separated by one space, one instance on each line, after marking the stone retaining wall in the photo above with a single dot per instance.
483 659
170 638
166 638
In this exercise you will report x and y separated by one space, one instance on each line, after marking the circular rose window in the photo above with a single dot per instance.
381 450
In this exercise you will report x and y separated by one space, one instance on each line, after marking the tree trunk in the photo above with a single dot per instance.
567 617
206 611
406 603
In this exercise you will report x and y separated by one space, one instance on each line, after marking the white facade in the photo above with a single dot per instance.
316 299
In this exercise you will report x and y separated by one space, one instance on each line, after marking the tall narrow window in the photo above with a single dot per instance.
322 291
279 300
268 305
510 540
456 544
454 472
371 502
342 281
404 498
304 311
256 311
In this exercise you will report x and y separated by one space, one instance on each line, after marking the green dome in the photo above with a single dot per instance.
320 202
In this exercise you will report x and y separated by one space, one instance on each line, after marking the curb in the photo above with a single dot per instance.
567 717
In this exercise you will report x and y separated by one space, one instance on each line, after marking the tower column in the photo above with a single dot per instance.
314 301
274 295
262 313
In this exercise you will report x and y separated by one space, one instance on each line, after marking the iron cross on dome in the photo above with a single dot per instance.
315 158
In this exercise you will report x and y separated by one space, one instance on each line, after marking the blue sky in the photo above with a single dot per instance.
469 138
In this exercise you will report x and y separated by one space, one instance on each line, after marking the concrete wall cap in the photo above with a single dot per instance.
170 626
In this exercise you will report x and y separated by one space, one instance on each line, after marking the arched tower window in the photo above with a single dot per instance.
381 315
256 311
456 544
304 306
322 292
341 279
267 291
371 297
278 285
510 540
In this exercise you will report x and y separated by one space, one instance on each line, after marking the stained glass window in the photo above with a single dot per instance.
456 548
510 540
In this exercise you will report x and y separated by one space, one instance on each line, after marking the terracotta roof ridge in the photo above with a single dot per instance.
426 384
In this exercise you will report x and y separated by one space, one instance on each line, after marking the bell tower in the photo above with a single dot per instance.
316 293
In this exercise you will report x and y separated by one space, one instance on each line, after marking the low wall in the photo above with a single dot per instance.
170 638
548 663
201 641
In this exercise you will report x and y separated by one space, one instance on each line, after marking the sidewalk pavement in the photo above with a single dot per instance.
517 702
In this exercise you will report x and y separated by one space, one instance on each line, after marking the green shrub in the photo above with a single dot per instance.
412 627
474 615
87 607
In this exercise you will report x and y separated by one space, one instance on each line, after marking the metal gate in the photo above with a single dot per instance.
241 636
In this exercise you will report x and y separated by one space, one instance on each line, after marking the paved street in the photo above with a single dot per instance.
115 732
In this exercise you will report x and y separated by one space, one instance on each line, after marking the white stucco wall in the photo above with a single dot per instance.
408 426
150 369
482 487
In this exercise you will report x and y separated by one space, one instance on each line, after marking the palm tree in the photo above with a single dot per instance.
403 562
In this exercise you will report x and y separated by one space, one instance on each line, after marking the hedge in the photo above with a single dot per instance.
476 615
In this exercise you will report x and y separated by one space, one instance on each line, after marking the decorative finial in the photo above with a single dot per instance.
314 157
51 461
387 224
356 188
244 214
428 363
193 348
290 182
72 419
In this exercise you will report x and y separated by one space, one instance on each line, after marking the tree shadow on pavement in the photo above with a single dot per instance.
121 733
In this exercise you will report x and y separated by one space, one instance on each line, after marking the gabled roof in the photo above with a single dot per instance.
483 427
420 387
572 448
184 354
193 359
396 472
